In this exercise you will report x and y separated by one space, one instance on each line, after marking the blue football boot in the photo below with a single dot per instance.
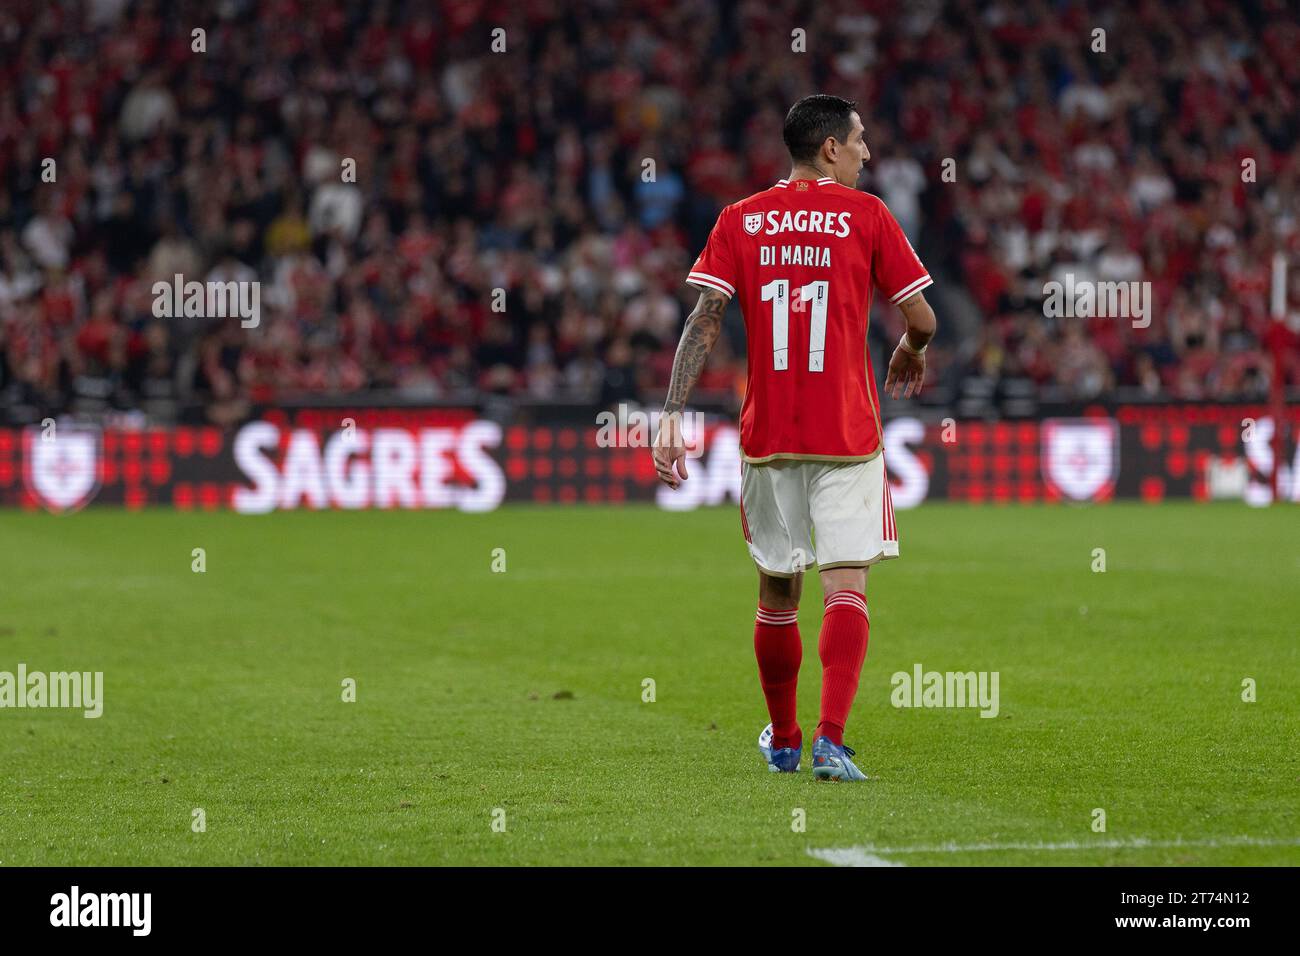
782 760
831 762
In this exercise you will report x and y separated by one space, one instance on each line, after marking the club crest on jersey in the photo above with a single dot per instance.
1080 457
61 470
753 222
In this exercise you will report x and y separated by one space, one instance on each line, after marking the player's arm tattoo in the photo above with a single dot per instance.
703 326
920 319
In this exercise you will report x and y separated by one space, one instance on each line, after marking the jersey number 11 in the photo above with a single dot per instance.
778 293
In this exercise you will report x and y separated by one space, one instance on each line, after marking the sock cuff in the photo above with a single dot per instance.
776 618
847 601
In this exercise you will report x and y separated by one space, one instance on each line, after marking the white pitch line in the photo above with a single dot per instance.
874 855
851 856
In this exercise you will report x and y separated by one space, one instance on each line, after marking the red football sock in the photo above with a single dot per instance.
779 650
843 648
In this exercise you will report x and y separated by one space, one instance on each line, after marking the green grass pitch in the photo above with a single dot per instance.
516 697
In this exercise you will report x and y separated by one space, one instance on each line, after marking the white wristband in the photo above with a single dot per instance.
906 346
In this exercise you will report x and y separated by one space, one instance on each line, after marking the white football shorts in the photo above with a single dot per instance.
844 505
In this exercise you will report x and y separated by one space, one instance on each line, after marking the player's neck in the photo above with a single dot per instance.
804 171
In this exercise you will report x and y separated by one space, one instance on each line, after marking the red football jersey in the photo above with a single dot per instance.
803 257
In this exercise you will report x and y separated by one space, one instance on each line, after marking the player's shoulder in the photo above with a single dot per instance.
733 214
749 201
863 200
869 210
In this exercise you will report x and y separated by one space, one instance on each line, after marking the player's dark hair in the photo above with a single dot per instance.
814 118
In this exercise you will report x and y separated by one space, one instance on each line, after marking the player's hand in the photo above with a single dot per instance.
670 450
906 372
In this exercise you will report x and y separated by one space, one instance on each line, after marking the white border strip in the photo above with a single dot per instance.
703 278
922 283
